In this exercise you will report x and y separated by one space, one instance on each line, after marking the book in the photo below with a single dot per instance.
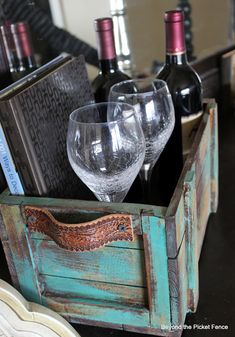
35 122
8 167
9 176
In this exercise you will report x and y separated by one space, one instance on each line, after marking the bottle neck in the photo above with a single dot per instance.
120 21
27 50
23 45
9 47
29 62
176 58
175 43
4 67
106 46
108 66
5 75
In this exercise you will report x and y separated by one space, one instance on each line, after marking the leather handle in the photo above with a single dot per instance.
80 237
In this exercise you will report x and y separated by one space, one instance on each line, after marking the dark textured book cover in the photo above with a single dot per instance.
34 76
35 123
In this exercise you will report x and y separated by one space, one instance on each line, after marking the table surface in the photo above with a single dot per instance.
217 262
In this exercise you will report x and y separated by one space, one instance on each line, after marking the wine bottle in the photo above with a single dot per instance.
18 48
109 73
24 49
9 48
5 81
186 90
5 74
118 10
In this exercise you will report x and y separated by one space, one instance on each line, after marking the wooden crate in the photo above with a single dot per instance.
147 285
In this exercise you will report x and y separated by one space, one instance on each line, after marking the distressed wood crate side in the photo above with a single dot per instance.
213 111
191 239
155 249
23 269
111 273
199 152
154 278
178 286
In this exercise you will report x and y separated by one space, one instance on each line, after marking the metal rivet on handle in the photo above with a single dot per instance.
31 219
122 228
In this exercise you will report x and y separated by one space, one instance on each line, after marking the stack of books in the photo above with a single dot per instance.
34 114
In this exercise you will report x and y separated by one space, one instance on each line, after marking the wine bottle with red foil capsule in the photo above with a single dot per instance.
109 73
24 49
5 74
9 47
186 90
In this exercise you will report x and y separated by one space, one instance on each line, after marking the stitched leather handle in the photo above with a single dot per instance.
80 237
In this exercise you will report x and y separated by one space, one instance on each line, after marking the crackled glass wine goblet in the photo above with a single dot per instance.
154 108
106 155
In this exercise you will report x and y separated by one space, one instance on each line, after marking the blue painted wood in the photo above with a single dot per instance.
98 312
21 254
137 243
83 205
175 226
178 285
107 264
191 240
154 235
71 289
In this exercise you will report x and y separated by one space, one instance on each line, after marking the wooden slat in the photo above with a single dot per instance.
10 263
213 111
21 255
203 197
196 155
70 289
191 234
154 234
103 313
203 151
178 281
87 205
107 264
175 227
203 216
8 253
137 243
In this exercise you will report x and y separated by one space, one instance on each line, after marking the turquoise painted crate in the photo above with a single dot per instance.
147 285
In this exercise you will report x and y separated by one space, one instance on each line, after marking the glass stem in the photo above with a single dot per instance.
145 177
113 197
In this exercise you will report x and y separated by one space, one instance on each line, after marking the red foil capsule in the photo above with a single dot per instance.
175 39
105 37
21 32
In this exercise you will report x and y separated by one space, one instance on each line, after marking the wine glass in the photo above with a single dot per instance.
154 107
106 155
